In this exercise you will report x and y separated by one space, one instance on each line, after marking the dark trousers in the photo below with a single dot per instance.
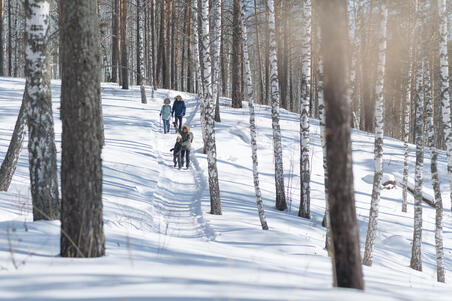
177 158
166 126
186 154
178 122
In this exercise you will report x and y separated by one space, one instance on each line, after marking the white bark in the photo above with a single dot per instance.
444 84
416 256
251 95
41 143
305 168
215 47
197 71
379 132
356 61
275 96
215 203
435 178
407 119
140 50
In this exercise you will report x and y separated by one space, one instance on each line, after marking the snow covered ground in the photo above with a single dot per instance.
162 244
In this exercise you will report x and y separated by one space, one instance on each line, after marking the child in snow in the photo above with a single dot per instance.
187 139
177 153
165 113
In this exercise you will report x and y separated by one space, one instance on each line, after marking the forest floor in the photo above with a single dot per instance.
162 243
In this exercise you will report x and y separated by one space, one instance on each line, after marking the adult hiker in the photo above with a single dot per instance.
165 114
178 111
186 140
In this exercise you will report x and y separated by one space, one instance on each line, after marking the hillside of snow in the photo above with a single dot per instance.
162 243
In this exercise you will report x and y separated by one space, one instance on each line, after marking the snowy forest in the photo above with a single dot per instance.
225 149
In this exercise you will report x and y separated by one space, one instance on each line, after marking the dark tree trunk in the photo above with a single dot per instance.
115 41
347 261
10 41
161 60
15 147
188 86
124 46
237 96
2 15
82 233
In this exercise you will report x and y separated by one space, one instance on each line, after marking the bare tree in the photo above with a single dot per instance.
124 46
344 226
140 50
281 203
251 96
305 168
2 16
41 136
9 164
379 133
82 233
209 102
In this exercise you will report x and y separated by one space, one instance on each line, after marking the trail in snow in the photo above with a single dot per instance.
177 197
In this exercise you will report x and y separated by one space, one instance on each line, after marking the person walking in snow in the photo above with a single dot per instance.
177 149
186 141
165 114
178 111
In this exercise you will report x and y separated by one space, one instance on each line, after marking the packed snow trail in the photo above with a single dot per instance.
177 199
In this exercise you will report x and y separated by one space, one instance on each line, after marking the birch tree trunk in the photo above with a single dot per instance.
215 50
305 168
407 114
115 41
140 50
82 233
444 86
197 69
416 256
9 164
251 96
281 203
435 178
41 138
347 263
379 132
215 202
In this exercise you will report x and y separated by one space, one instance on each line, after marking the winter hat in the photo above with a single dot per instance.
167 101
186 127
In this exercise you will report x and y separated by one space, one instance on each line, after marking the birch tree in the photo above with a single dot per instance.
197 69
215 202
379 132
305 168
41 136
281 203
82 233
435 177
140 50
346 263
9 163
416 255
444 85
407 113
215 48
2 16
251 96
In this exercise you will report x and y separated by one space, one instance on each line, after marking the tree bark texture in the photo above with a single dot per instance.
82 233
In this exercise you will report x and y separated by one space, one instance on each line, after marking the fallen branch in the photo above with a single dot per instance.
426 198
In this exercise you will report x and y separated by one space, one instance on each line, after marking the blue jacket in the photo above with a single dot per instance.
179 108
165 112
